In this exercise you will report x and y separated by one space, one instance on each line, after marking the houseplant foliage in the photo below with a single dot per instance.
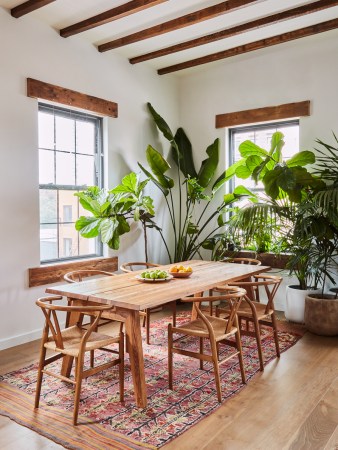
288 186
111 211
195 217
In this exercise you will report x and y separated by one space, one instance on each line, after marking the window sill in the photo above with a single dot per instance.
53 273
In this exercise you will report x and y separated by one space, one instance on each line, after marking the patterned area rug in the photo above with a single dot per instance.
107 424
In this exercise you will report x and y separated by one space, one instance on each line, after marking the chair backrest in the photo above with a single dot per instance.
251 261
270 283
52 323
131 266
231 294
79 275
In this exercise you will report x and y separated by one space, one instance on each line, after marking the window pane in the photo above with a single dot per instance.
68 239
85 137
68 205
48 242
88 246
65 133
262 137
65 168
85 170
46 130
48 206
46 167
291 139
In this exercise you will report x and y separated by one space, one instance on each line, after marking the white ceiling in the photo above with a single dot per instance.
63 13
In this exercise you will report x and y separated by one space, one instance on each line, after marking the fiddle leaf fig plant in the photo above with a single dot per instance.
113 210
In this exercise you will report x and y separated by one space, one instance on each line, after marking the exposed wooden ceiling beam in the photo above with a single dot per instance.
29 6
248 26
108 16
176 24
252 46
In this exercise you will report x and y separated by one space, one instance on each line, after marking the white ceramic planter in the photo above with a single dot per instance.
295 303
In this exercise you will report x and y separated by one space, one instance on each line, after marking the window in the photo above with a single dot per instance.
261 135
70 160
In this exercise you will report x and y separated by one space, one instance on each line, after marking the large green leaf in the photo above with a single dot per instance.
253 161
148 205
301 159
107 229
209 165
123 226
248 148
227 175
276 146
88 203
88 226
243 172
161 123
164 190
159 165
182 154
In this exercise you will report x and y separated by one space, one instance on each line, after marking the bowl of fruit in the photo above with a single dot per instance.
180 271
154 275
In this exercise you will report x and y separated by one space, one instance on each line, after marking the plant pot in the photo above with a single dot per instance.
295 302
321 314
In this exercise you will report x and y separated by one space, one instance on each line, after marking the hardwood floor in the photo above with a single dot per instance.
292 405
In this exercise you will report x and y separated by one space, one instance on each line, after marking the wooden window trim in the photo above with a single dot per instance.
53 273
267 114
56 94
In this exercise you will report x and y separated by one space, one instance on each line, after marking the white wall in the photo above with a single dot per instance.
29 48
306 69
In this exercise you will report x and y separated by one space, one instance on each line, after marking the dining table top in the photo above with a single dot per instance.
127 291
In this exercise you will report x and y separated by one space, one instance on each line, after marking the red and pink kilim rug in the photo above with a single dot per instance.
107 424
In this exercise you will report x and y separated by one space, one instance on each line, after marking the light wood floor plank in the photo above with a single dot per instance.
292 405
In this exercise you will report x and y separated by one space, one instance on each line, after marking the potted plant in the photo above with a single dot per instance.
321 310
288 187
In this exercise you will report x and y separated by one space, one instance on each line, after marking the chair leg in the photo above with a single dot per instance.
40 376
259 343
216 370
148 326
275 333
201 352
240 356
121 366
78 381
170 356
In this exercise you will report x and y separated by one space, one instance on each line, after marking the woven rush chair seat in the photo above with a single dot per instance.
255 312
75 341
216 330
71 339
131 267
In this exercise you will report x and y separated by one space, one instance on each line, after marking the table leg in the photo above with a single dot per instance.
134 340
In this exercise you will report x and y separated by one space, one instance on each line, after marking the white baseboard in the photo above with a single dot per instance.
20 339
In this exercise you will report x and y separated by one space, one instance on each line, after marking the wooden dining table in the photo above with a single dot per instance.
128 295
